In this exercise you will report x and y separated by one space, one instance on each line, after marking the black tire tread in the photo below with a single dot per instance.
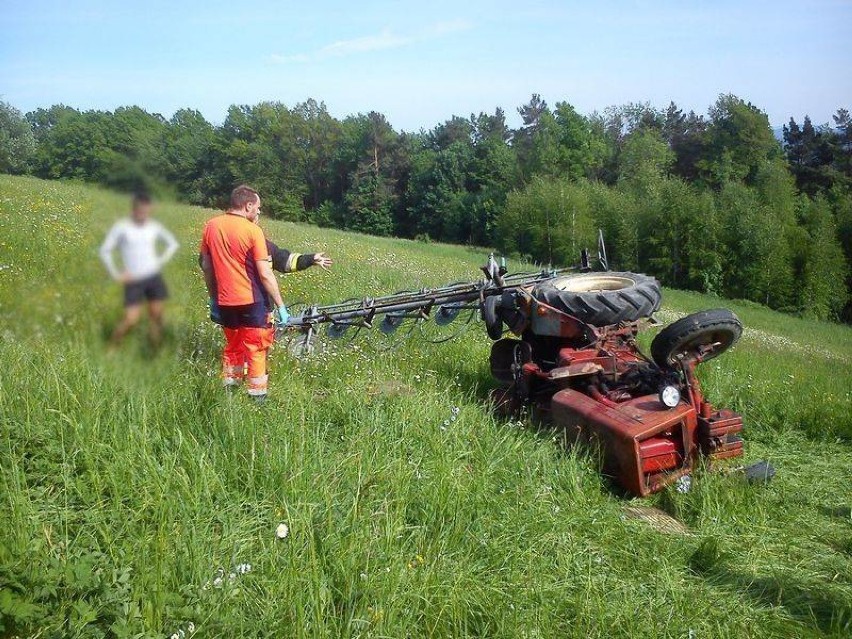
605 308
678 333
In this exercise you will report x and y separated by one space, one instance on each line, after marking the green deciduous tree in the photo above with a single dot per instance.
188 156
645 156
739 141
823 293
17 142
550 221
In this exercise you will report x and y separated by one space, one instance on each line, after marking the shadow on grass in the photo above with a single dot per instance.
810 601
811 604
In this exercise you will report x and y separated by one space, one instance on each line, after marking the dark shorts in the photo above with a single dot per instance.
151 288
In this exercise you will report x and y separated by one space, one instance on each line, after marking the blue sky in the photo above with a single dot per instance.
420 63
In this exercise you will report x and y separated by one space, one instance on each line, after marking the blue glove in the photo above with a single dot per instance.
280 315
215 312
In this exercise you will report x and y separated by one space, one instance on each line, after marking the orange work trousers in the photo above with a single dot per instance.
245 355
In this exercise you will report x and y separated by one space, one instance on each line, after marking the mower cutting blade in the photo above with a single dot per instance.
446 313
337 331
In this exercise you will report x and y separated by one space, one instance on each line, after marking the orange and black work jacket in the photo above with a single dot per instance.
235 246
283 261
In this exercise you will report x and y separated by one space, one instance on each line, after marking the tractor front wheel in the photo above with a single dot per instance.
704 335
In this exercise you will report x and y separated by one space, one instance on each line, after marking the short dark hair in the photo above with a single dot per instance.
140 198
243 195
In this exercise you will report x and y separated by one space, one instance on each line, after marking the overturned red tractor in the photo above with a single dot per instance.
575 362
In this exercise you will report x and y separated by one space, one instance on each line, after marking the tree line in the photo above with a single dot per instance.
711 203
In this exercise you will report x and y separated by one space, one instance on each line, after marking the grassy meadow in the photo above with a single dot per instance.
137 499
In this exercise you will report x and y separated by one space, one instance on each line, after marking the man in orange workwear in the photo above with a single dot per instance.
238 273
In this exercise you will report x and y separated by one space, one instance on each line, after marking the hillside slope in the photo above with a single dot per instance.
129 481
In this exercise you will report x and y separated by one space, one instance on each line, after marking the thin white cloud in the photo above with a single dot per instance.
446 28
277 58
382 41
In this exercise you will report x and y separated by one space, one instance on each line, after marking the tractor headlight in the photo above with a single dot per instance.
670 396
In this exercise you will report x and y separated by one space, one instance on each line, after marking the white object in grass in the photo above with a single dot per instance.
282 531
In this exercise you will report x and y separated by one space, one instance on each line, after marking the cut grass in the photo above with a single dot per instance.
128 481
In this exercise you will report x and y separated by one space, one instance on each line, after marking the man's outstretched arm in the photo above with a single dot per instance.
284 261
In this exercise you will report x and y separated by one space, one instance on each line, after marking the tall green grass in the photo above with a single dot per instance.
128 481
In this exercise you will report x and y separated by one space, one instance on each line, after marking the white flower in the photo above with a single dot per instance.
282 531
190 627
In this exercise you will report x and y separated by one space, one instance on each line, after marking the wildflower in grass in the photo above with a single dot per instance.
453 416
182 634
217 581
282 530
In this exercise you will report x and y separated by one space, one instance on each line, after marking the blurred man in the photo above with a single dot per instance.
136 239
238 274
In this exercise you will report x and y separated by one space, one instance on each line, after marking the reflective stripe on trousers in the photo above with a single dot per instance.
232 375
258 385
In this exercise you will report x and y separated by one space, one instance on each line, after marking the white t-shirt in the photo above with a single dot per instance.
137 244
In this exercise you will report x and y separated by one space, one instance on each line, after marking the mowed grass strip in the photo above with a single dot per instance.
129 483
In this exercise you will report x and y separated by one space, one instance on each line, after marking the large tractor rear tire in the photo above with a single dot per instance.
602 299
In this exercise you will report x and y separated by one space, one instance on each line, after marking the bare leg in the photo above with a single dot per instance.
130 319
155 314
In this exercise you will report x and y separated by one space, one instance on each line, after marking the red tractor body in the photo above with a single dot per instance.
596 384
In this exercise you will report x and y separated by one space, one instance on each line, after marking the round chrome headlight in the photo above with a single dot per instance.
670 396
